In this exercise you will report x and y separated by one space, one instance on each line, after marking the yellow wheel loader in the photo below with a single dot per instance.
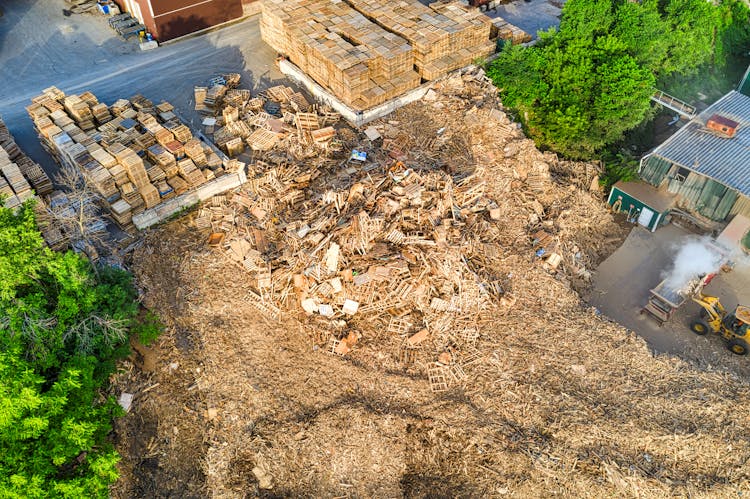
734 327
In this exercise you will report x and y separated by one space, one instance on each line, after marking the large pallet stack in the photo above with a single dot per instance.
19 174
444 36
129 150
363 64
366 51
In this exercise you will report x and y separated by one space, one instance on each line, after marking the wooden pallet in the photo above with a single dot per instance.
306 122
262 140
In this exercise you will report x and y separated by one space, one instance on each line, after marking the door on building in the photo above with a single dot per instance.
645 217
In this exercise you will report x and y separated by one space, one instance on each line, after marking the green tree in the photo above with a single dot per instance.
53 303
62 328
641 27
694 27
582 87
575 94
52 436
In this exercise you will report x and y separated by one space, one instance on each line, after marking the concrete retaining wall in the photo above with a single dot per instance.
356 118
164 210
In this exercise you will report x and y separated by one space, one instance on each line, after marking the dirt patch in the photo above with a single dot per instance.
145 358
163 438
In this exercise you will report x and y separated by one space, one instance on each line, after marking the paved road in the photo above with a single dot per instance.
40 47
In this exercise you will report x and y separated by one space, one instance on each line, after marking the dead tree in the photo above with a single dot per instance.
77 212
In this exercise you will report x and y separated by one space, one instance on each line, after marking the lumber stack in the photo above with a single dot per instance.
365 51
510 32
359 61
444 36
129 150
21 177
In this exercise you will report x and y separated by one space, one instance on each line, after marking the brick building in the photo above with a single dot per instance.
167 19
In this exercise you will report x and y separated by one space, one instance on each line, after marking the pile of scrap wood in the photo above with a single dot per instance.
368 52
135 153
537 413
404 236
276 117
397 247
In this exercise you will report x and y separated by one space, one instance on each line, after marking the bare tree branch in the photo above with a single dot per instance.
87 331
77 213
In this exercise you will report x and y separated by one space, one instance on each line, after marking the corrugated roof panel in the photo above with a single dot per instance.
702 151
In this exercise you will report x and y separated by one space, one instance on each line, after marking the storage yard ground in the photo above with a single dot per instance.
546 398
62 54
621 288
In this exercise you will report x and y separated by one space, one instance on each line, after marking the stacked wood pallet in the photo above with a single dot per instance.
20 174
128 150
444 36
365 51
360 62
510 32
13 186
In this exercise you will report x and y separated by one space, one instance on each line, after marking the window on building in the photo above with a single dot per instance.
682 174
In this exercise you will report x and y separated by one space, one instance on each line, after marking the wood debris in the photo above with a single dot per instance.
279 117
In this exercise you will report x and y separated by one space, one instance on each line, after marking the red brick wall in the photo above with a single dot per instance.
175 18
167 19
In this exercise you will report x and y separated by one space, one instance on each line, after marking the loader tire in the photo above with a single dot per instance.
699 327
738 346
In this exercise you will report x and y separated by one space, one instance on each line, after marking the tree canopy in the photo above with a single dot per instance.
63 325
580 88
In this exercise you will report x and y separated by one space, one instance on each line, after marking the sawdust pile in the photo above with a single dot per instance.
546 398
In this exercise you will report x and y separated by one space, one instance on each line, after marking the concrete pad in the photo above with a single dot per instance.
148 45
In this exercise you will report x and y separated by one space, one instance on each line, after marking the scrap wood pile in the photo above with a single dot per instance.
278 117
406 244
553 399
369 52
135 153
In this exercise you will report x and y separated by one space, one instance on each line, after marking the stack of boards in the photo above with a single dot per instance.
20 177
135 153
366 51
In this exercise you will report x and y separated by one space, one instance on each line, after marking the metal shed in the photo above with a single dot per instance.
643 203
709 172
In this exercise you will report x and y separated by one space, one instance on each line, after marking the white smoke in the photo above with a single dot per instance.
695 258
